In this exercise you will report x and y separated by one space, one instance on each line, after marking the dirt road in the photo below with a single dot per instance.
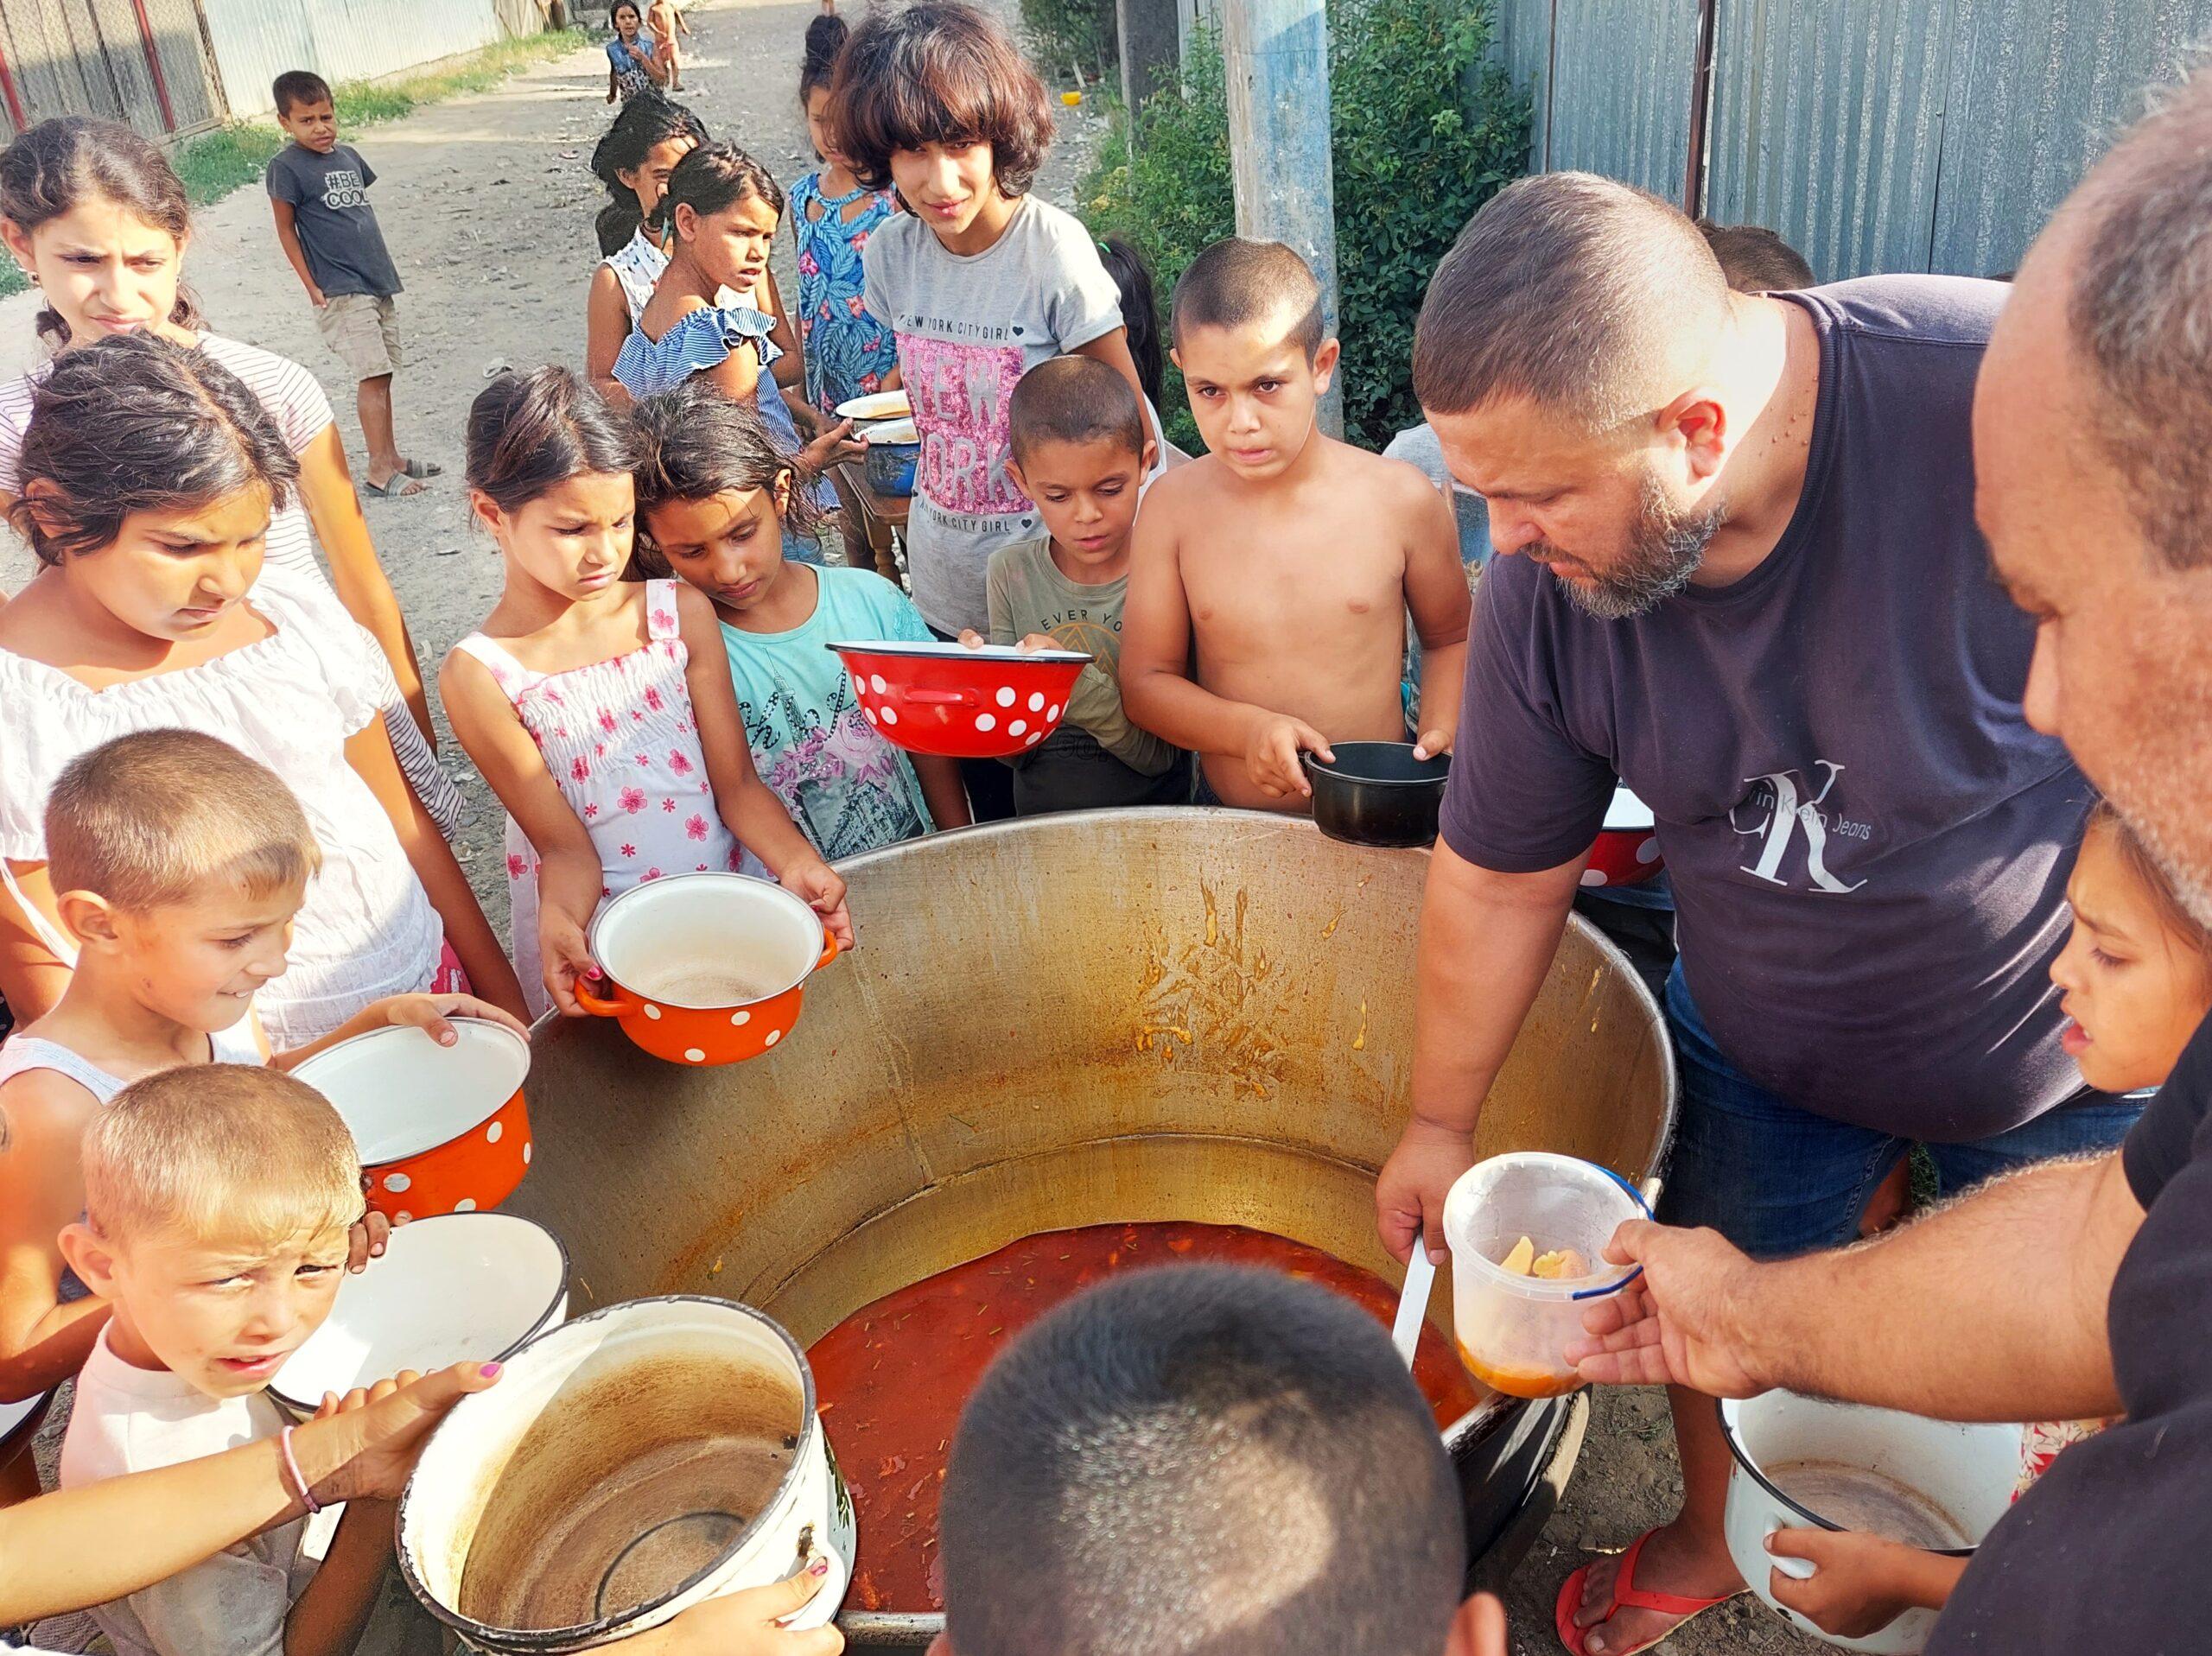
486 202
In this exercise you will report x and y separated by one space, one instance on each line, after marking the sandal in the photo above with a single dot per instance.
423 468
1626 1595
394 487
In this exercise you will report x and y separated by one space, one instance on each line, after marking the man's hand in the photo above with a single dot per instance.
1410 1192
1679 1323
1862 1582
372 1434
1271 758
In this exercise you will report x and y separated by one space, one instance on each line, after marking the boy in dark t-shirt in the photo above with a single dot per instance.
318 188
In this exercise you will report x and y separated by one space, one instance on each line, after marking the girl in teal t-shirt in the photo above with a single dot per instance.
713 495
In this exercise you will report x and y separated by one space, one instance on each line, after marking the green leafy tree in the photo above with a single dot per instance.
1423 131
1065 32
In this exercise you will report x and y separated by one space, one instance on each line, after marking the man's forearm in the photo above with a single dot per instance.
1487 941
1990 1309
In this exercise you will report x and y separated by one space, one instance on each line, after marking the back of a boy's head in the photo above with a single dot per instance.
1073 400
1754 259
1200 1460
208 1151
297 89
1238 281
156 817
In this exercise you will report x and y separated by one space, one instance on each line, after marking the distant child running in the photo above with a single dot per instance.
723 208
98 217
319 190
713 495
979 281
180 865
666 22
633 160
149 474
1080 453
2137 974
849 353
633 57
1272 576
600 709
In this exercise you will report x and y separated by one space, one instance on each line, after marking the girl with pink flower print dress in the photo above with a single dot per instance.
598 709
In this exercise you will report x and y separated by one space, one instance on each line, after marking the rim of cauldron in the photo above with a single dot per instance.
586 1633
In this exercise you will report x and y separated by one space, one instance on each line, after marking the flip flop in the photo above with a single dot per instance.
392 488
423 468
1626 1595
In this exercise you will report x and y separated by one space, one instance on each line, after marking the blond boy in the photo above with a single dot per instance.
1270 579
218 1200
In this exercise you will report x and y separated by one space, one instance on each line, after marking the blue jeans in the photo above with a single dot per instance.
1777 1180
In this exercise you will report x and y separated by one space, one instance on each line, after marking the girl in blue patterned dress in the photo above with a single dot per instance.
849 353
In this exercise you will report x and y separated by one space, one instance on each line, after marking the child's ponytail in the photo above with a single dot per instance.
694 443
528 433
647 121
825 37
132 424
61 163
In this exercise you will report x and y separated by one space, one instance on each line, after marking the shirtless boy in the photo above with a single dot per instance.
1269 580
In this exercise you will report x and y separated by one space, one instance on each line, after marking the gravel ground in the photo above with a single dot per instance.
486 202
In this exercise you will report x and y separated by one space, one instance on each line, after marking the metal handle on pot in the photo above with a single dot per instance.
1796 1569
941 698
615 1006
829 950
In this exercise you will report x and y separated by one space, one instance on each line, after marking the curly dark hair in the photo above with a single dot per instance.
60 164
695 442
939 72
136 423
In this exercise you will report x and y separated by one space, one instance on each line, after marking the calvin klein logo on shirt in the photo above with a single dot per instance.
342 188
1781 806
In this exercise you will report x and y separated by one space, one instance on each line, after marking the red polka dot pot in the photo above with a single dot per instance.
1627 848
440 1129
705 969
959 703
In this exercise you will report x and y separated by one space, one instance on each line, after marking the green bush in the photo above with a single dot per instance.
1064 33
1423 132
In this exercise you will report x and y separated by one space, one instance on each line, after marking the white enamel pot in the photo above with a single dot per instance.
612 1401
1967 1473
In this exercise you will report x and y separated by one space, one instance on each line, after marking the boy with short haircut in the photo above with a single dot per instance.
218 1200
1271 577
318 188
1204 1461
1081 455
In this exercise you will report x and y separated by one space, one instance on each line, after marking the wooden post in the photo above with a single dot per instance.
1151 48
1277 54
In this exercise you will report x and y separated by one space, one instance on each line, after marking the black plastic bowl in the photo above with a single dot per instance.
1378 793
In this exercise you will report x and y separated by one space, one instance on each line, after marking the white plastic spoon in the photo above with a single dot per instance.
1412 1301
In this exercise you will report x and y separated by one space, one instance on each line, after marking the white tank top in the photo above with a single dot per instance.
25 1053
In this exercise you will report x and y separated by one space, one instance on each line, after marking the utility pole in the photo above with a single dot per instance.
1151 40
1277 55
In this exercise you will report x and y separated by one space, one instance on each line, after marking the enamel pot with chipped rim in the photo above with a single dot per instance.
752 928
617 1395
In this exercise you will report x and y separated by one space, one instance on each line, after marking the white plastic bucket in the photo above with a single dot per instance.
1513 1329
600 1417
1962 1477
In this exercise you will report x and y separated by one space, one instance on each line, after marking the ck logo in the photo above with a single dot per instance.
1777 807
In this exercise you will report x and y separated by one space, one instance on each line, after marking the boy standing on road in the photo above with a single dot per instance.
318 188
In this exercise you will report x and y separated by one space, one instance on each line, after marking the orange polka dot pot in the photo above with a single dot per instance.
440 1129
705 969
959 703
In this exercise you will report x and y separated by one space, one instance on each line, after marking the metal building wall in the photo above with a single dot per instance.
340 40
93 57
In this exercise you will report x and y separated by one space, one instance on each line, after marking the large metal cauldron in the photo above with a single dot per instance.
1135 1015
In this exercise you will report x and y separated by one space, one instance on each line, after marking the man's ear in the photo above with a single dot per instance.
86 917
91 1257
1324 363
1697 422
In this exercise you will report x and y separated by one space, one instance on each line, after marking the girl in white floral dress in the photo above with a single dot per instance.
600 710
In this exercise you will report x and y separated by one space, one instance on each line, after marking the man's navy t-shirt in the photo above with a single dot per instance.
2107 1551
1869 846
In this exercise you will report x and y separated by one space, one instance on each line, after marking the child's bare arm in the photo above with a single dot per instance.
327 491
288 237
32 978
748 805
1436 594
570 878
737 375
791 367
43 1116
1113 350
607 325
942 791
1158 692
490 973
326 1619
614 83
1861 1583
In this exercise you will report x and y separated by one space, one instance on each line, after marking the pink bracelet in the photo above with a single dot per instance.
292 1466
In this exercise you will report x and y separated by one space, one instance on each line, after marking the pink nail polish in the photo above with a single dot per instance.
819 1568
491 1371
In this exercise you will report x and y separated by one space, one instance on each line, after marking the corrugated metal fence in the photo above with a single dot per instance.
340 40
1874 134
